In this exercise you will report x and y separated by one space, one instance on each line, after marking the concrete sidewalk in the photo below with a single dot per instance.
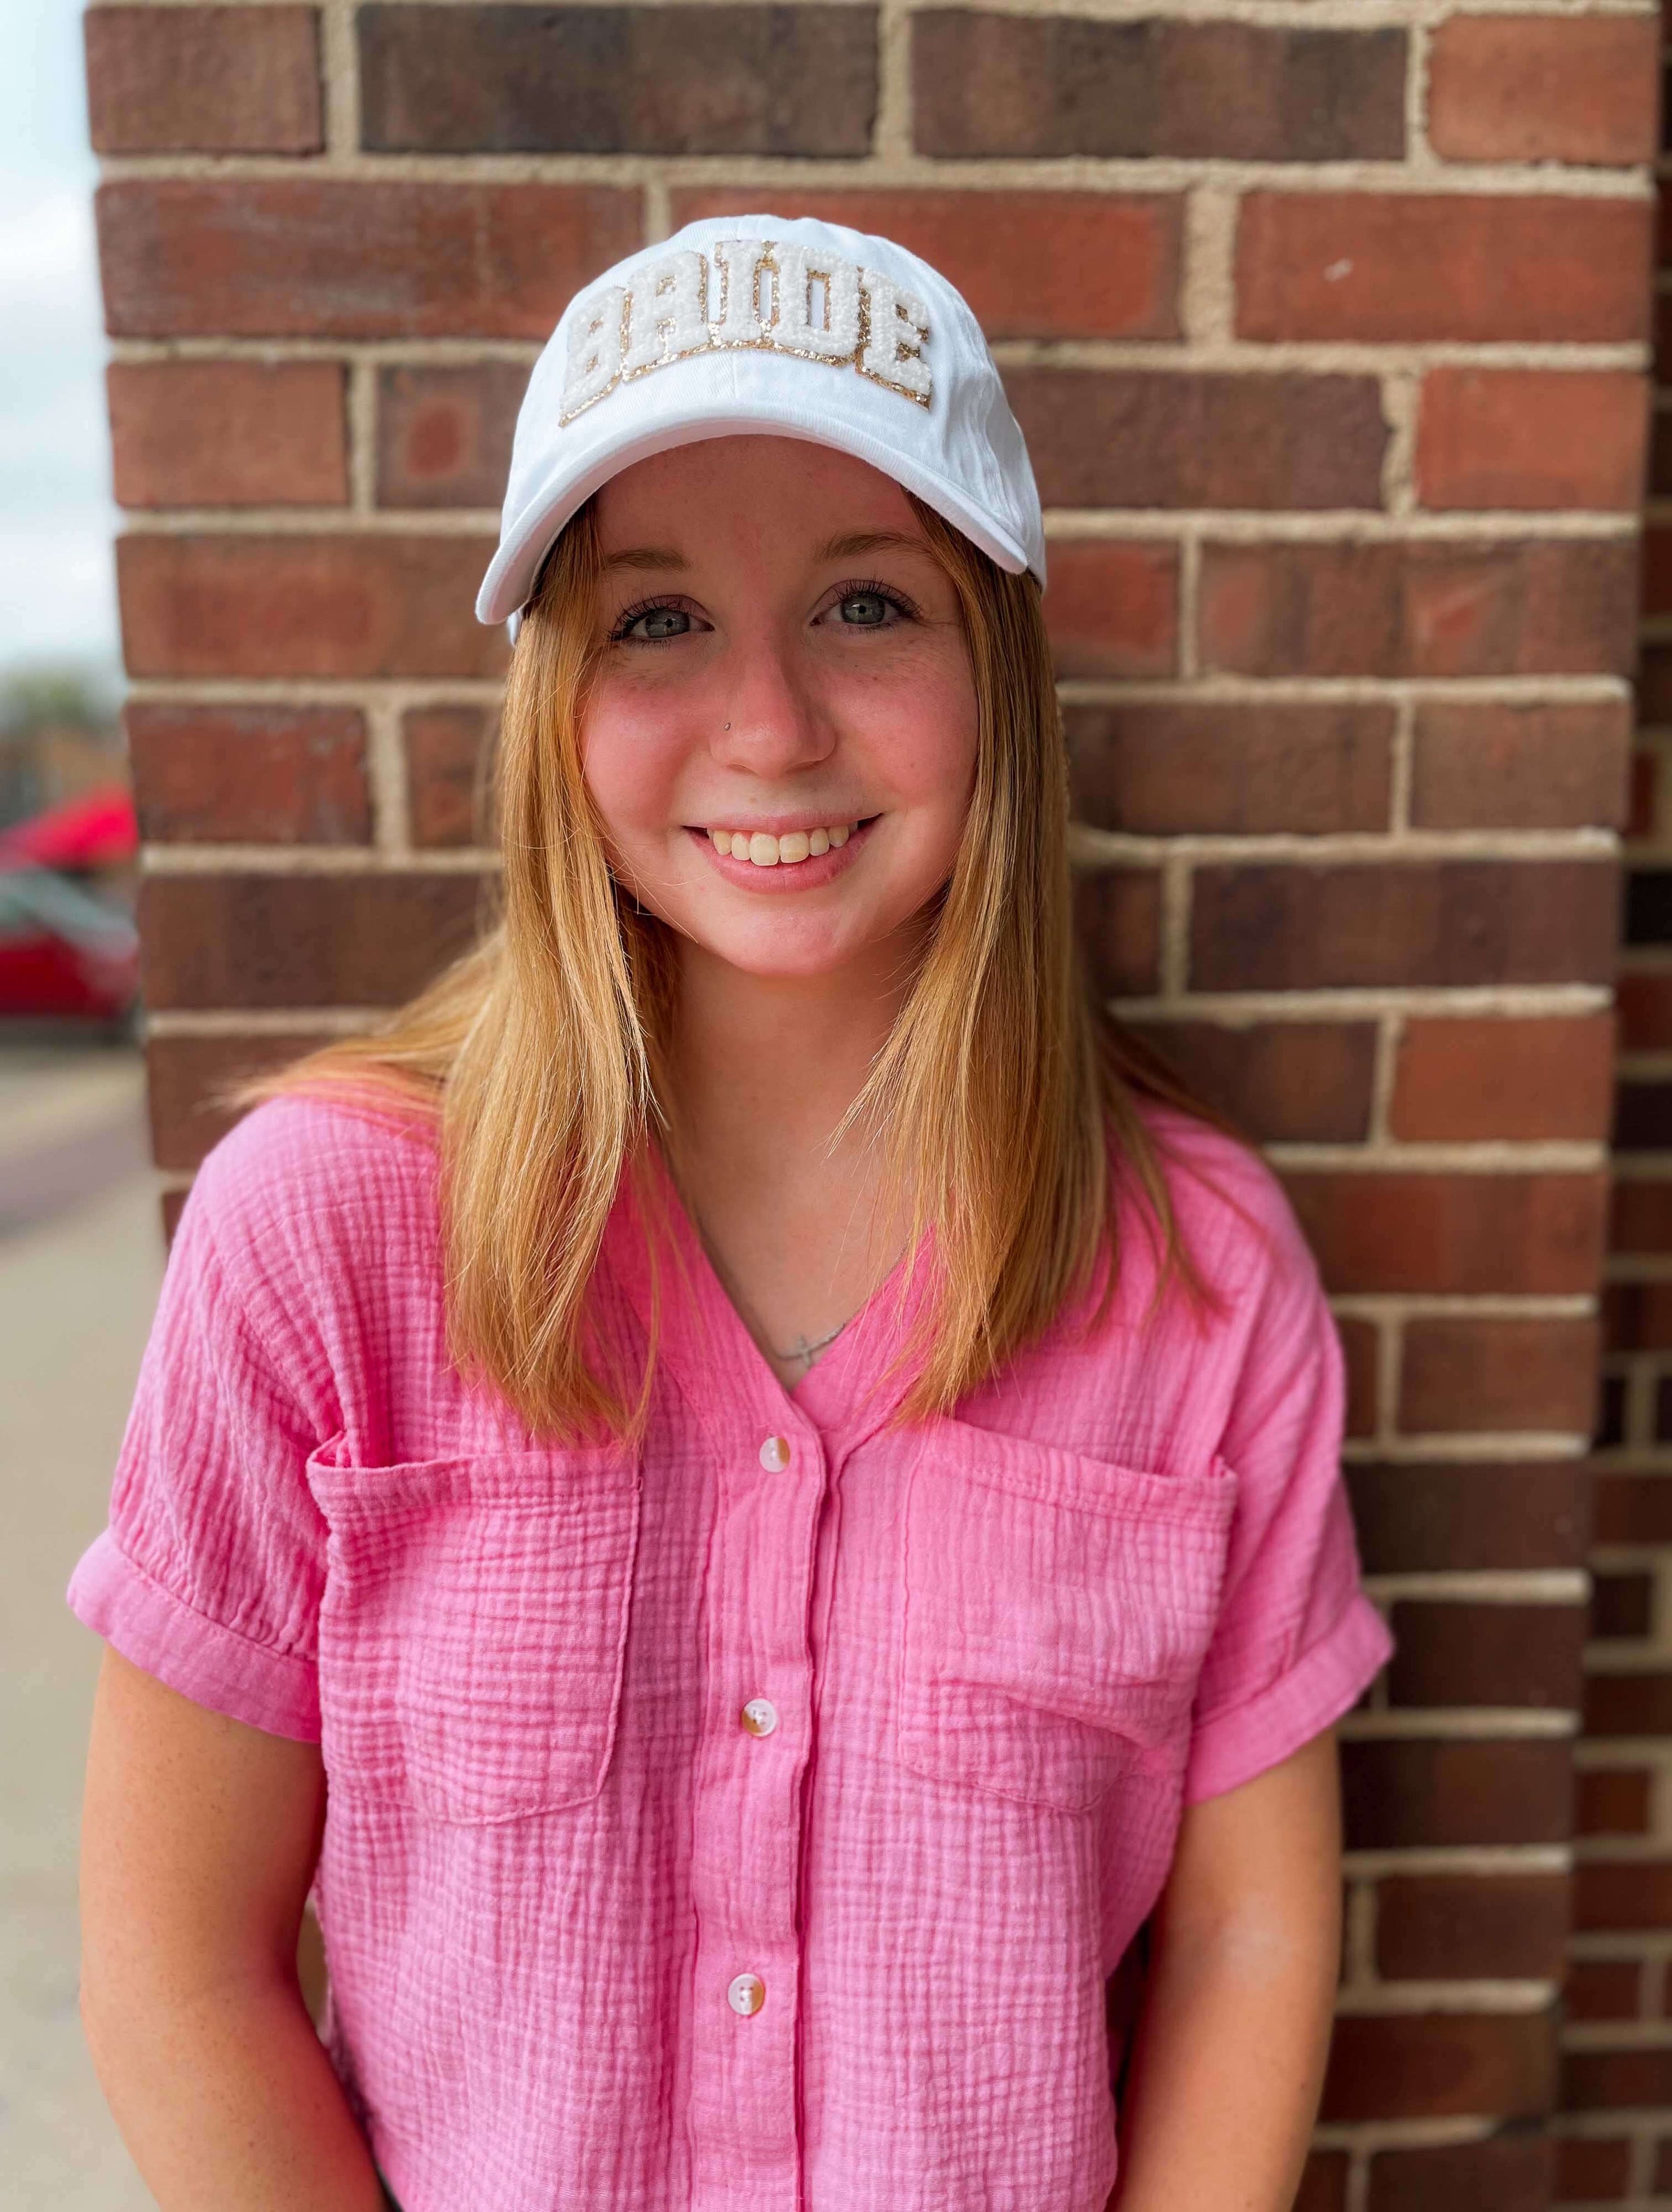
80 1258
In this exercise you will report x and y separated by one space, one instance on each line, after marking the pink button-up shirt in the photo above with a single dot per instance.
753 1818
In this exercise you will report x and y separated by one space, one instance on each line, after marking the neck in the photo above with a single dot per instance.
764 1067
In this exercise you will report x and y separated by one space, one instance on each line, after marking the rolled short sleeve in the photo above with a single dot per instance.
1297 1641
209 1572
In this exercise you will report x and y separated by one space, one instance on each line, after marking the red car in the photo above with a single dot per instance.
63 951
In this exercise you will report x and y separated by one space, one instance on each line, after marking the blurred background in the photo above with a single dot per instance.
81 1249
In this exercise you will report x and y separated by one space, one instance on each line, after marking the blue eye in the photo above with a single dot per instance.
866 609
657 625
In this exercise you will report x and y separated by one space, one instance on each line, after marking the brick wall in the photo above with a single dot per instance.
1326 323
1619 1995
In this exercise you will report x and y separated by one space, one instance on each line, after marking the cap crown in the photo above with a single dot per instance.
749 323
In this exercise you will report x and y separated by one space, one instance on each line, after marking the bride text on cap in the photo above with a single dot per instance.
823 309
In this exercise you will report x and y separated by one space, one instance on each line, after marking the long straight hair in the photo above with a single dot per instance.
1005 1105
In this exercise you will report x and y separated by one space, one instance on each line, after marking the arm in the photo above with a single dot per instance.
199 1843
1228 2060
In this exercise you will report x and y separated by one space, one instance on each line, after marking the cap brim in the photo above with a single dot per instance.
510 579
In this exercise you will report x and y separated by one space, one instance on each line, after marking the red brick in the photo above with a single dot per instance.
229 433
1631 1508
1400 1794
370 939
1117 912
1361 1345
1656 577
1294 1082
1471 1927
1613 1801
204 80
1621 1605
1462 1234
1408 267
1654 680
1511 2173
1643 1001
1112 608
1637 1316
1434 608
1495 1374
1628 1704
445 749
1031 264
1603 1989
1640 1219
388 258
1642 810
1591 2167
1415 1518
1616 1896
339 606
1423 2066
1648 904
1167 767
1544 88
1490 764
265 775
187 1079
1323 2183
1514 1077
1030 86
1615 2081
1463 1653
444 435
1526 438
1266 926
1642 1116
1136 438
599 79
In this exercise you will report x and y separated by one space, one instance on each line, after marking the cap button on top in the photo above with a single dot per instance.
774 1455
747 1994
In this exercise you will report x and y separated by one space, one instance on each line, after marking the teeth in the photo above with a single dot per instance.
767 851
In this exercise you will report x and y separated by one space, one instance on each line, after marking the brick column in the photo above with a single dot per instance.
1325 323
1619 1996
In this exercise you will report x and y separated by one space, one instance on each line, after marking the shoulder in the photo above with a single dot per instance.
306 1178
1233 1216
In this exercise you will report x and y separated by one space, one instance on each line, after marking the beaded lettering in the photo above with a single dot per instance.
758 294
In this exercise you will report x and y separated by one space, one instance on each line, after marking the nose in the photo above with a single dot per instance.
774 723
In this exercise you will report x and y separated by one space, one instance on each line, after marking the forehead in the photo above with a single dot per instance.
775 487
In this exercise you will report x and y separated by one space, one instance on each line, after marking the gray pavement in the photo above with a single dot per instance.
80 1258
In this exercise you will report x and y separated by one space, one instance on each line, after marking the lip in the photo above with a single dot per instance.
807 875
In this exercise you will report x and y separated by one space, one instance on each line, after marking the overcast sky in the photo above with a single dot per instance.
57 597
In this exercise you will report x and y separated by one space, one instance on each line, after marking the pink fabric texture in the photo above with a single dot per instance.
1003 1650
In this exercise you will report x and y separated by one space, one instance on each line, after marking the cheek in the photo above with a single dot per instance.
631 756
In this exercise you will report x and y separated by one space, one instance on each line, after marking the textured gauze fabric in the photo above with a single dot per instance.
597 1936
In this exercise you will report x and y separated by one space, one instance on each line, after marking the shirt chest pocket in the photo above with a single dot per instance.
1056 1613
473 1629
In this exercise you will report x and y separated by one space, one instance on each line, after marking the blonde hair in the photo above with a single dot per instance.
996 1100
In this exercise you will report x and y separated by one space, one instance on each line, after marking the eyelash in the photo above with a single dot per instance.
628 615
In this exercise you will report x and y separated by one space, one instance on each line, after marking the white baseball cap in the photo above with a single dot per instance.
752 323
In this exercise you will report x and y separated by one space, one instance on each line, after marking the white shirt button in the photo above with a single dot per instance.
774 1455
747 1994
760 1716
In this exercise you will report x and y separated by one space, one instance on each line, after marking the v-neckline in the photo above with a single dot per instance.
701 1332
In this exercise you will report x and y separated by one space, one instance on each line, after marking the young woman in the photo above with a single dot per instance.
745 1493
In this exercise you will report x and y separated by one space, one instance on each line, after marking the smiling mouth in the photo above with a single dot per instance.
788 849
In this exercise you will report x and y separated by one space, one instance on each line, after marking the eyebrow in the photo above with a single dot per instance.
647 556
846 547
